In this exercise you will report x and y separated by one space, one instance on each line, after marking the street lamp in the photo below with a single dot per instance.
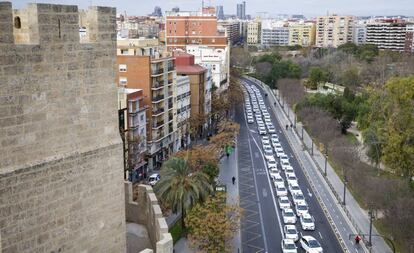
326 159
345 182
371 218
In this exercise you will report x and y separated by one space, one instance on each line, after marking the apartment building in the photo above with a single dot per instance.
302 34
274 33
200 88
254 29
216 59
183 112
133 127
193 28
390 34
143 64
359 33
333 30
232 28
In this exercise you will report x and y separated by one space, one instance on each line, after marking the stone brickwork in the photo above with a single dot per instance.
146 211
61 168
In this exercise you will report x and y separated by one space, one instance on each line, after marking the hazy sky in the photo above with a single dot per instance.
306 7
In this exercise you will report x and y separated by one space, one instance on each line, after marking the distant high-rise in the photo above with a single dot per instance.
241 11
175 9
157 12
220 12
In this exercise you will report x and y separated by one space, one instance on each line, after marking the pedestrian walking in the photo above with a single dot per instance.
357 239
291 126
287 126
233 179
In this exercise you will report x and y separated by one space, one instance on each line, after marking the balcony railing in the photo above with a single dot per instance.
157 112
170 94
157 99
170 82
157 71
157 85
158 124
170 68
170 117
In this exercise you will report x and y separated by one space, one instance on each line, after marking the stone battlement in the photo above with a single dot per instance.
47 24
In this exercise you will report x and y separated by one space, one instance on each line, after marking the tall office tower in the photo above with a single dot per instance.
333 30
241 11
220 12
175 9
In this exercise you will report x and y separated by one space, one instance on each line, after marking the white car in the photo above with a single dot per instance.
294 189
284 157
289 217
269 155
281 190
284 203
301 208
267 121
298 197
266 140
271 129
250 120
262 130
154 178
274 140
291 178
284 163
288 246
277 145
273 172
289 169
310 244
278 180
307 222
279 152
272 164
291 232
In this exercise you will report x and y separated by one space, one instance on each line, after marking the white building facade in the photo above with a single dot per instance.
183 106
217 59
274 33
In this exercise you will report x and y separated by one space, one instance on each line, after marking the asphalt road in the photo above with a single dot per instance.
262 224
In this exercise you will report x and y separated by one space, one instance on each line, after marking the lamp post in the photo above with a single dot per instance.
371 218
326 163
345 182
312 147
302 131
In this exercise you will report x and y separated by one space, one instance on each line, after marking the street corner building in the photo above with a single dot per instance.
61 165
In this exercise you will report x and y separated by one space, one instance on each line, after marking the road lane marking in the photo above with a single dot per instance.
309 193
320 235
264 192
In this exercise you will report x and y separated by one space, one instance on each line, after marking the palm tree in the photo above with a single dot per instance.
181 187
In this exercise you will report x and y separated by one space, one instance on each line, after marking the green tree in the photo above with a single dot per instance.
391 118
212 224
349 48
316 76
350 77
180 187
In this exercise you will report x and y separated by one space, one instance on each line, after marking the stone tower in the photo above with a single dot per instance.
61 174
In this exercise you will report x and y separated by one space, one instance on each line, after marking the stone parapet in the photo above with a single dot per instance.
146 211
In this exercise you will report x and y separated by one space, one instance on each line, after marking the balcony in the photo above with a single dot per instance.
170 117
158 112
157 86
170 82
170 94
171 68
157 99
156 125
157 72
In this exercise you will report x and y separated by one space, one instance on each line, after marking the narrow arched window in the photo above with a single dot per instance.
17 23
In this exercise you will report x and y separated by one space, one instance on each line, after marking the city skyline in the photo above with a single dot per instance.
308 8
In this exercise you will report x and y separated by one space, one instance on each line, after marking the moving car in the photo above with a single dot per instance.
265 140
288 246
279 152
153 179
284 163
307 222
262 130
289 217
284 203
291 232
291 178
250 120
310 244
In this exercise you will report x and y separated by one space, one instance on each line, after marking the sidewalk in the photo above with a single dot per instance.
356 215
228 169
